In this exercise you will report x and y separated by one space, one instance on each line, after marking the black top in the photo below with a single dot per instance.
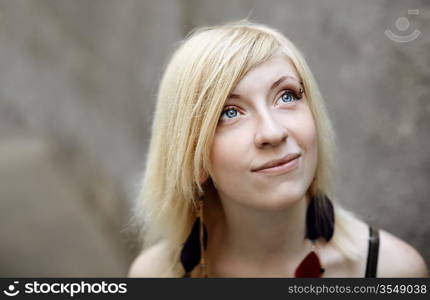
372 256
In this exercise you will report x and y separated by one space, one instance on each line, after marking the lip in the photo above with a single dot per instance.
283 165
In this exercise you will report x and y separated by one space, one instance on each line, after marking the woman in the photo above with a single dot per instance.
238 178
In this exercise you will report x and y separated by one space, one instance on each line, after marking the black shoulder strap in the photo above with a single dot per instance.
372 257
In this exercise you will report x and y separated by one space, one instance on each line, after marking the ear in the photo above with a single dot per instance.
312 190
204 176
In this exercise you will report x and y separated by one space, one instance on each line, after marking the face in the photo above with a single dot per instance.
265 119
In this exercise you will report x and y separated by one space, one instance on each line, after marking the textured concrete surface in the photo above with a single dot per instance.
46 222
83 76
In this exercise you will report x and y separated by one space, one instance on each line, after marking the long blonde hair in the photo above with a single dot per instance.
202 72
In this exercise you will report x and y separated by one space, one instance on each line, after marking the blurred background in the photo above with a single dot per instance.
77 88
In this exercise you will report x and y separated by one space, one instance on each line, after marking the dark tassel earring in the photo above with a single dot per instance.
319 223
320 218
193 250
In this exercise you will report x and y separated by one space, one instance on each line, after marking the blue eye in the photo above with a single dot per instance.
230 113
288 96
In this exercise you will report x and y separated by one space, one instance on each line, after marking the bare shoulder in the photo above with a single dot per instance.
149 263
397 258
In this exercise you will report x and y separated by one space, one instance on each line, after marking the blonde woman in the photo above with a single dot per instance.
239 174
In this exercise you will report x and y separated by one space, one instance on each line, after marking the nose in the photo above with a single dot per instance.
269 132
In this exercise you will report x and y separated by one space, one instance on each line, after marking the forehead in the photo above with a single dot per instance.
264 74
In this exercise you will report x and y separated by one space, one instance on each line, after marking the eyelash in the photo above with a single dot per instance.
289 92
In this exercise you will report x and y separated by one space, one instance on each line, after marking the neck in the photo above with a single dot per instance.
262 238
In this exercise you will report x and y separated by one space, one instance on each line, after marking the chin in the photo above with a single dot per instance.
281 201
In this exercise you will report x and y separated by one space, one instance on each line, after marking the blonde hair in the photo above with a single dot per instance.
198 79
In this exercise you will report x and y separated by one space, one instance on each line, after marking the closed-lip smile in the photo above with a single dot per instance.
277 162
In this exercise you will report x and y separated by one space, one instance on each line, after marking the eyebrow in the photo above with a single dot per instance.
274 85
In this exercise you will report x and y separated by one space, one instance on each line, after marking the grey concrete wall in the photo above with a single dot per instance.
77 86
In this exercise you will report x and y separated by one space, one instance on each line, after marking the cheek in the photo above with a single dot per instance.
313 154
309 143
227 154
311 138
305 130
